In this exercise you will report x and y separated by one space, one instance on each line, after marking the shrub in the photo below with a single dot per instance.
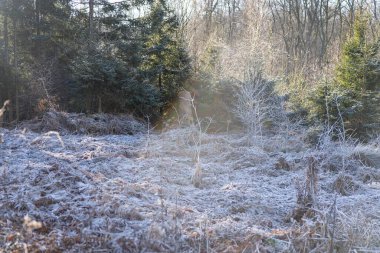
254 101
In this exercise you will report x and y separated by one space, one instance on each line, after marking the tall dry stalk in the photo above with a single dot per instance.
197 178
3 110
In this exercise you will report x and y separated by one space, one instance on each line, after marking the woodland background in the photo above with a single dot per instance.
319 57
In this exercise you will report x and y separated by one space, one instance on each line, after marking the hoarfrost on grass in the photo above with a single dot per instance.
133 193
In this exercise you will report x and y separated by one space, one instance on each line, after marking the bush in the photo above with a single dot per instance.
254 102
351 96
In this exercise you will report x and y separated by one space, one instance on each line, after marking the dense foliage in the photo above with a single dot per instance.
352 96
98 56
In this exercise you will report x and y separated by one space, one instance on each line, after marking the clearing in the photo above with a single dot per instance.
134 193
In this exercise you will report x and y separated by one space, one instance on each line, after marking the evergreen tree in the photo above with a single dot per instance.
358 78
358 68
100 58
165 62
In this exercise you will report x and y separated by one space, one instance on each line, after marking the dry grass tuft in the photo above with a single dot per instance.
369 158
345 185
306 192
97 124
333 231
3 110
197 176
282 164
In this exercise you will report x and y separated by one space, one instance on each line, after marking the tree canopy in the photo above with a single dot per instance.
96 57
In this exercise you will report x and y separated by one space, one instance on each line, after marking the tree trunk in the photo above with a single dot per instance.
6 41
160 87
375 9
91 20
38 28
99 104
6 59
15 67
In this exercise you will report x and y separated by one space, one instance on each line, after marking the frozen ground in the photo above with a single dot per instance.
134 193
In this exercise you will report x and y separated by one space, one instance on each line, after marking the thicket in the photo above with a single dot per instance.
94 56
352 94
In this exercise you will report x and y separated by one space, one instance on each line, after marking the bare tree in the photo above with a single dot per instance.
253 102
307 28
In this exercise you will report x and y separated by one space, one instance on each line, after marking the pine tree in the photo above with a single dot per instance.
358 77
100 58
356 70
166 63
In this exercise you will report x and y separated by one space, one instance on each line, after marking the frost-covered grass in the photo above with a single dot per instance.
118 193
